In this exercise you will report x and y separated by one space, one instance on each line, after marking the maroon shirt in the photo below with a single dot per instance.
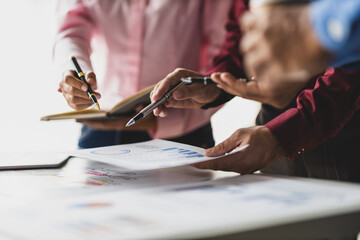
321 111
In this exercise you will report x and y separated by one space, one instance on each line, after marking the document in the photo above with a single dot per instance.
82 177
189 211
154 154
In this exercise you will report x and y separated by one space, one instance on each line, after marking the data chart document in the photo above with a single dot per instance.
148 155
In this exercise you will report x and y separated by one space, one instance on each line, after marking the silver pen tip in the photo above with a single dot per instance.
131 122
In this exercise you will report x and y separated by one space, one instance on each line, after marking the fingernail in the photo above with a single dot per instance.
84 88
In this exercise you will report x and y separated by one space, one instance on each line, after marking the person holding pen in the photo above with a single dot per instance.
131 45
317 135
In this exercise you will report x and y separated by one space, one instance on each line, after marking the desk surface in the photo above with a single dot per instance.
91 200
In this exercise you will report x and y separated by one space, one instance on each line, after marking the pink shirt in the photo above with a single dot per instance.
136 43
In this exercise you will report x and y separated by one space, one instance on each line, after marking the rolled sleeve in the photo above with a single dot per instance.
321 112
74 36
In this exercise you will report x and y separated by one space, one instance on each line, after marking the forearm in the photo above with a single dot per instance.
321 112
74 35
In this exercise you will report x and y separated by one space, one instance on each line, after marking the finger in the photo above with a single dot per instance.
226 163
230 84
171 80
188 92
215 76
160 111
163 113
72 91
157 111
75 82
91 79
164 85
227 79
152 94
222 148
187 103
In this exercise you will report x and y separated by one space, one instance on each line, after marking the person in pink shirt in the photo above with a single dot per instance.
134 44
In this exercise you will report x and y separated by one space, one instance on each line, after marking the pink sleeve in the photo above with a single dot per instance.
75 28
183 121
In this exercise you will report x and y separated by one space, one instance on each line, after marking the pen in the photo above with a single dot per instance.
81 76
149 108
203 80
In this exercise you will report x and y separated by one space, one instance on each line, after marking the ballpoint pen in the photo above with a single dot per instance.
149 108
81 76
203 80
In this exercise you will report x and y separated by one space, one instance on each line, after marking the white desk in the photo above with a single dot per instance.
89 200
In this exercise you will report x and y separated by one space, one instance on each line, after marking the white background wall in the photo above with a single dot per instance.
29 86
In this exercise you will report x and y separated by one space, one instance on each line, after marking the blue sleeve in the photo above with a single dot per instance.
337 26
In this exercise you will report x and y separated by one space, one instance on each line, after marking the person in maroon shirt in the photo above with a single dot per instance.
318 133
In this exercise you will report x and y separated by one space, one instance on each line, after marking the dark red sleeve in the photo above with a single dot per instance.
321 112
229 59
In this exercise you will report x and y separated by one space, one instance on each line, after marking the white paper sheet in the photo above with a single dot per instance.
86 177
194 210
148 155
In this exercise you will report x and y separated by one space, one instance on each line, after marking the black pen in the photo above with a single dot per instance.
149 108
203 80
81 76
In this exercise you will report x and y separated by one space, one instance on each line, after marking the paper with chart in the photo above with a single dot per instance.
148 155
209 208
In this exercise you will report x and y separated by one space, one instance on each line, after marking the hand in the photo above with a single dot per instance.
74 90
280 47
187 96
146 124
263 150
263 91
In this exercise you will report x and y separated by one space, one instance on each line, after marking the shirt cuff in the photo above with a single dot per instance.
290 130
